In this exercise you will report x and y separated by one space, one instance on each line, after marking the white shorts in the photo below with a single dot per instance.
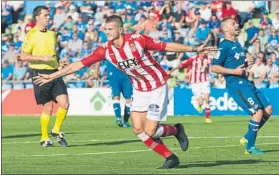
154 102
199 89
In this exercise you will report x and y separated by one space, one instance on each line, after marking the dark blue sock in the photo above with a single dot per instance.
264 119
117 110
253 128
126 113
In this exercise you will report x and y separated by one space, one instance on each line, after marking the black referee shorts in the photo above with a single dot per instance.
48 92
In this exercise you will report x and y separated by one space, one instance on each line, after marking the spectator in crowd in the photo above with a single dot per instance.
203 33
179 16
7 75
166 12
258 73
275 60
75 44
229 11
69 23
19 75
255 48
272 73
59 17
151 23
140 25
274 39
263 39
73 13
252 33
205 11
275 21
17 43
10 55
219 82
214 24
265 20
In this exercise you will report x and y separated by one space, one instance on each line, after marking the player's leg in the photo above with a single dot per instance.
207 108
43 97
139 108
267 111
206 94
127 113
157 111
127 91
115 85
60 95
197 92
44 120
247 100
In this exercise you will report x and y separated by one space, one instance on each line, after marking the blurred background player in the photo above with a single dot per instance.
230 60
119 83
39 48
200 80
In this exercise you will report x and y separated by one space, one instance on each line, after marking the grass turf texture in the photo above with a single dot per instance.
97 145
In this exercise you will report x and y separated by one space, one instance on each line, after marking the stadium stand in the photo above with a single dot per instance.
79 31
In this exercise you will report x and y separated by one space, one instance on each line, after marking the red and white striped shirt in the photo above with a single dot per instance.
199 69
134 58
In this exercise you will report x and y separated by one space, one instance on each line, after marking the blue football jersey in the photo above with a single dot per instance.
113 71
230 55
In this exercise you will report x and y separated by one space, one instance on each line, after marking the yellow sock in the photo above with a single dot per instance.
60 116
44 126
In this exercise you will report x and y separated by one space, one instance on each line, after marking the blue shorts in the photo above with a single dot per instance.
121 85
248 97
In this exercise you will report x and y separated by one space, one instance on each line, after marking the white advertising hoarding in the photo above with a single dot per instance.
96 102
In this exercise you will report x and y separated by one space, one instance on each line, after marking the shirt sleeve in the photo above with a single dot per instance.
186 63
96 56
154 44
27 45
220 57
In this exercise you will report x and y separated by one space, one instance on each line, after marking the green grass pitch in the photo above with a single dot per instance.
98 146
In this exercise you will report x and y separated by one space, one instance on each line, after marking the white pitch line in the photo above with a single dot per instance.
132 151
111 140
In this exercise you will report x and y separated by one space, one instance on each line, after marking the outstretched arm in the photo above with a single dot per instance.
153 44
184 64
96 56
42 79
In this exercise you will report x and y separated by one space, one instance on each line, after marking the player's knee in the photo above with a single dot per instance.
48 108
269 110
150 131
137 130
259 113
65 105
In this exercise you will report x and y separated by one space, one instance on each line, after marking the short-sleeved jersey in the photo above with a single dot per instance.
230 55
134 58
199 68
38 43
